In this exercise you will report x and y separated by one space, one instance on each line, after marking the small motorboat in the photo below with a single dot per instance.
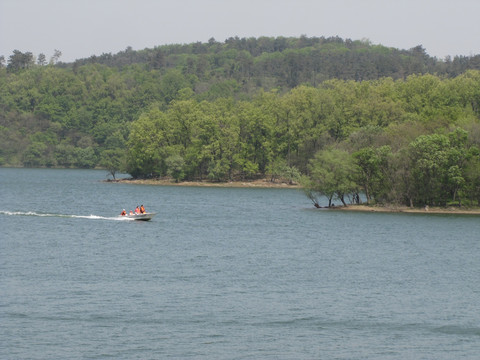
140 217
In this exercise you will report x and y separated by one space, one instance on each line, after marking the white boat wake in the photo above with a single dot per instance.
90 217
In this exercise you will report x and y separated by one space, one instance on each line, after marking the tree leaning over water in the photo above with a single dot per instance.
433 170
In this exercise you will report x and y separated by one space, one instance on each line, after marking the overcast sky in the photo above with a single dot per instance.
81 28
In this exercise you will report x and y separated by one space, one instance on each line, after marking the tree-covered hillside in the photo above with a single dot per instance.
288 62
246 108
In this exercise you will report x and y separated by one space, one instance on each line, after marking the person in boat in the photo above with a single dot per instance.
142 209
137 210
131 212
123 213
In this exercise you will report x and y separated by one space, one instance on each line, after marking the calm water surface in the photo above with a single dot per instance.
226 274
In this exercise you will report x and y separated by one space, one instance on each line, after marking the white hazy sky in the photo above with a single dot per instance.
81 28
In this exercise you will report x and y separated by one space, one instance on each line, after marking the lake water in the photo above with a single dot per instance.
224 273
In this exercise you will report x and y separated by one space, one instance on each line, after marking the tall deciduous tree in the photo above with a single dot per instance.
372 171
20 61
57 54
41 59
331 173
114 161
147 145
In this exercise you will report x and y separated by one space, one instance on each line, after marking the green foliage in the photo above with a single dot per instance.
372 171
20 61
331 173
146 144
218 170
279 170
113 160
433 169
171 84
175 164
85 158
34 155
350 115
438 167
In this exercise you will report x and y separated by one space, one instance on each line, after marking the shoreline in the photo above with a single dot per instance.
261 183
408 210
266 184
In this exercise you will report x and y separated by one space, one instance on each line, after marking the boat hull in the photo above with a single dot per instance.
140 217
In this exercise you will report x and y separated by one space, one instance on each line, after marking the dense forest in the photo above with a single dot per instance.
342 117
